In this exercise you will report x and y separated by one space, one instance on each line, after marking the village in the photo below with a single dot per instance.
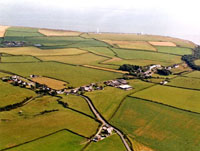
22 82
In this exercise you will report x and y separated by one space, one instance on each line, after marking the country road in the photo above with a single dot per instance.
104 122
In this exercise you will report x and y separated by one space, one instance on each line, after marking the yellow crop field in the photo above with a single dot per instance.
3 30
52 83
38 52
163 43
49 32
131 44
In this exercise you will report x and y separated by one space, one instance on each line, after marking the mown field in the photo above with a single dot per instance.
75 75
133 54
174 50
19 59
49 32
86 58
107 103
157 126
112 143
185 82
67 142
177 97
197 62
39 52
10 94
101 50
31 124
194 74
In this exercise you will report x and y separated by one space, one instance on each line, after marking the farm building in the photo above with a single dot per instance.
125 87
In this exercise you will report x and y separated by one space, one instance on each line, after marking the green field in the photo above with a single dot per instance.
101 50
75 75
10 94
131 54
159 127
31 126
67 142
106 102
77 103
112 143
177 97
174 50
23 29
19 59
86 58
194 74
185 82
197 62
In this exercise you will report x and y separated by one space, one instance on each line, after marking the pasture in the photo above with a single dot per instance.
197 62
157 126
21 130
135 37
131 44
185 82
111 143
194 74
60 71
39 52
106 102
52 83
177 97
77 103
133 54
101 51
86 58
50 32
10 94
174 50
18 59
67 142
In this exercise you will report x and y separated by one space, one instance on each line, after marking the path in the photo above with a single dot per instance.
104 122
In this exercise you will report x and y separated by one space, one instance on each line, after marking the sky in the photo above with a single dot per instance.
179 18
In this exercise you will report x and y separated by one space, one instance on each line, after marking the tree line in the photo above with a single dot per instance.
189 59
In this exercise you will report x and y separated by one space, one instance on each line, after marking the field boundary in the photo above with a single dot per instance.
44 137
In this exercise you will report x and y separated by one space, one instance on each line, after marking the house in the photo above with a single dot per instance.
122 81
163 82
37 45
125 87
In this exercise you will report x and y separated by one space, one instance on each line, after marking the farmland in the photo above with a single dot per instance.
180 98
68 73
71 104
157 126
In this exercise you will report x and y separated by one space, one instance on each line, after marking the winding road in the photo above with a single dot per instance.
104 122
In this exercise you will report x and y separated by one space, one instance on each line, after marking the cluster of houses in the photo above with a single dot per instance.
118 83
14 43
105 132
17 81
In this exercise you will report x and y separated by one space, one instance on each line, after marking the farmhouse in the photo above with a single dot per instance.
125 87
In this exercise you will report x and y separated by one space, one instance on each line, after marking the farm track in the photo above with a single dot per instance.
104 122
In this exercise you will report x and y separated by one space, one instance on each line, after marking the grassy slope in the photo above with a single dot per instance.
135 37
67 142
87 58
186 82
112 143
195 74
100 50
30 125
19 59
10 94
174 50
107 102
77 103
131 54
181 98
197 62
160 127
60 71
